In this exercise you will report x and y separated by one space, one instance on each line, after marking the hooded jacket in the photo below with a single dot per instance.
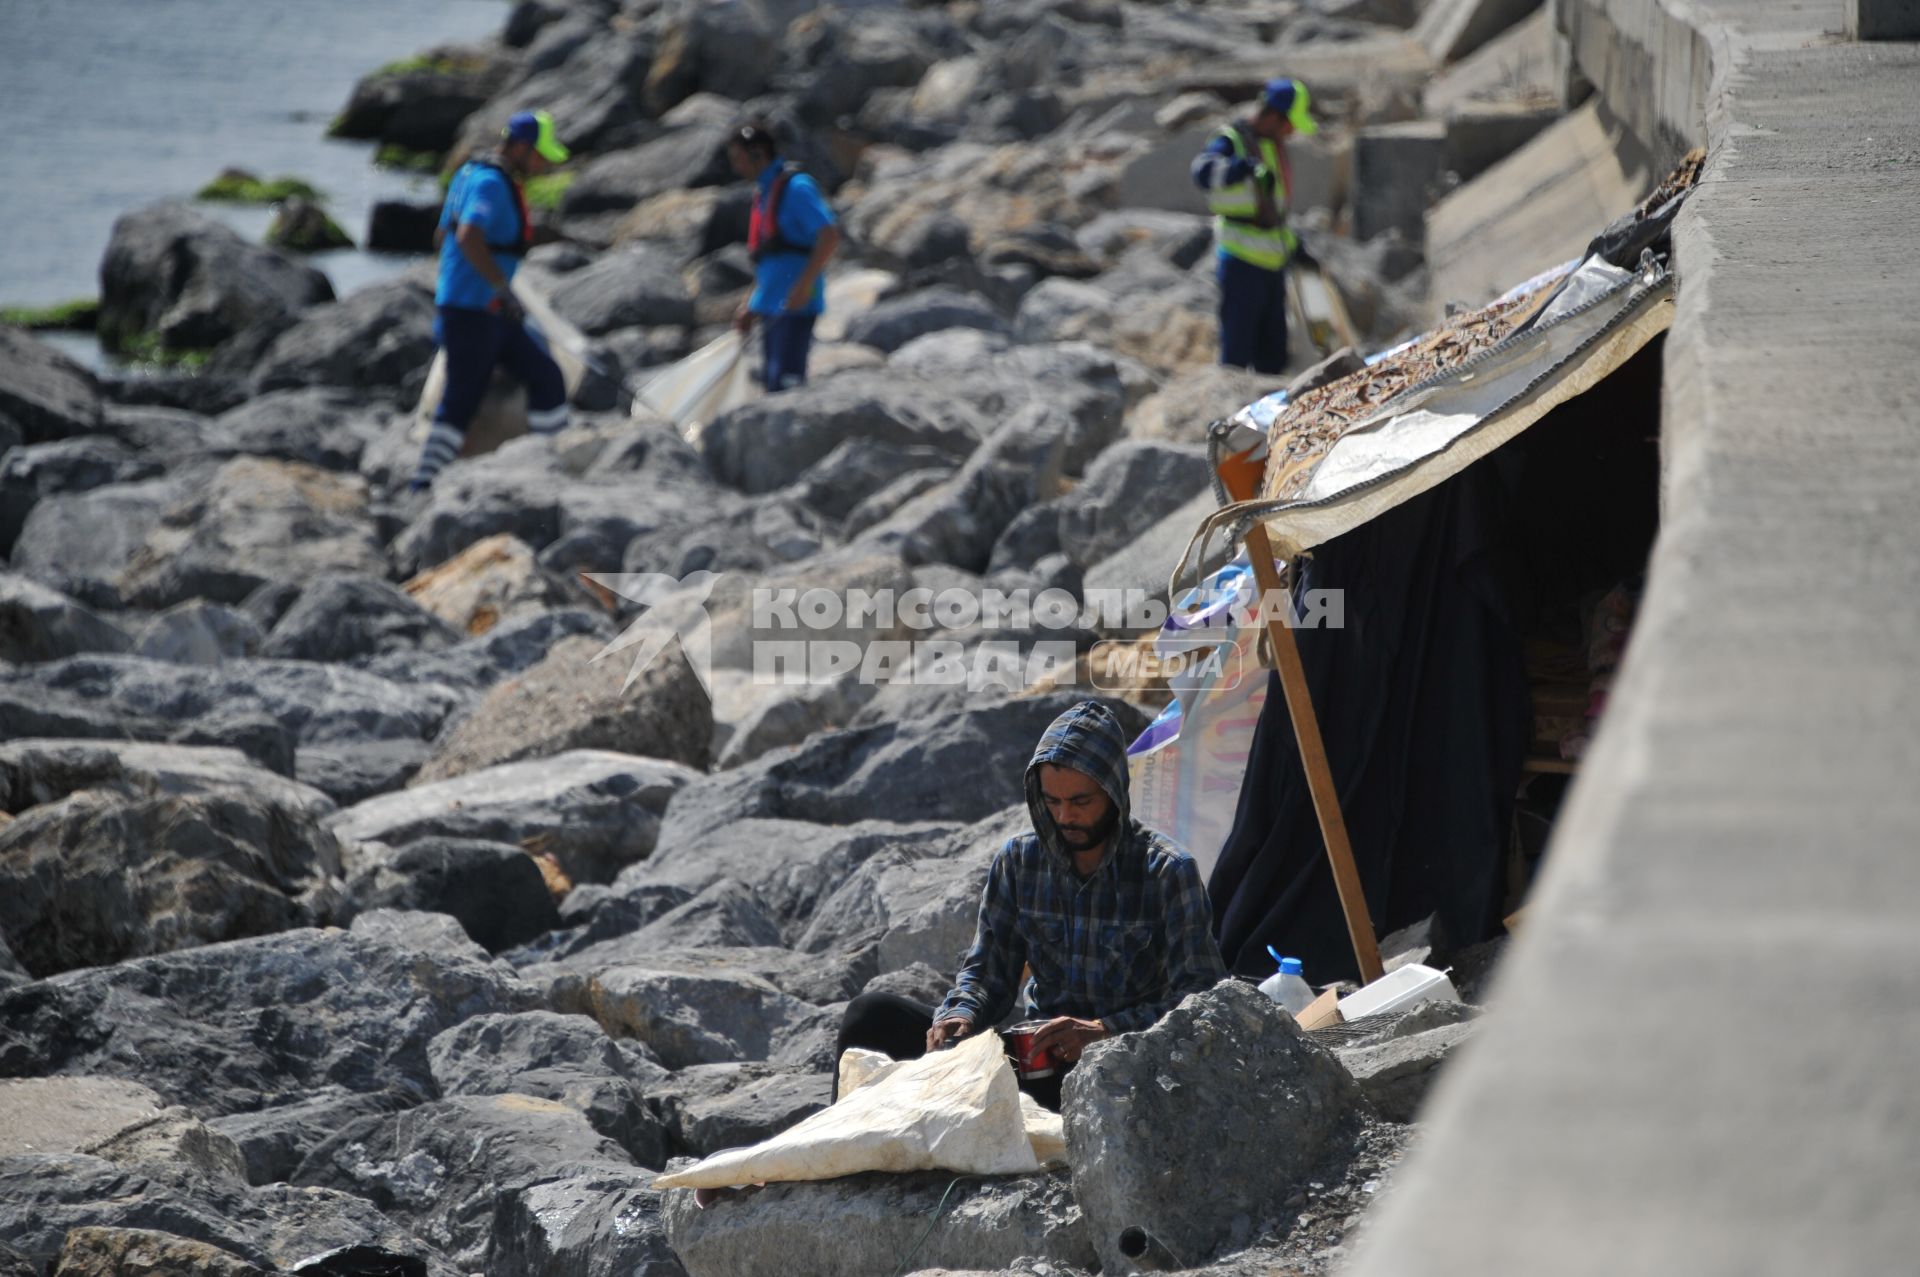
1122 945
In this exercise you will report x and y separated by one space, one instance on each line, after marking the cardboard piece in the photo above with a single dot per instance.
1321 1012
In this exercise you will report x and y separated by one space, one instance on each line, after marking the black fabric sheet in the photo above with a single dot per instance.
1424 707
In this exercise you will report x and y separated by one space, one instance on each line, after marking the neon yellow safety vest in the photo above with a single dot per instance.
1236 209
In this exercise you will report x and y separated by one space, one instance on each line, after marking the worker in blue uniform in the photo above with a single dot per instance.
792 235
1249 184
484 232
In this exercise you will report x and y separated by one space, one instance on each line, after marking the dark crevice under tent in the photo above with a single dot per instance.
1484 499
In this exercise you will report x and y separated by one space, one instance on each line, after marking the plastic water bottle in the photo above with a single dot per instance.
1287 986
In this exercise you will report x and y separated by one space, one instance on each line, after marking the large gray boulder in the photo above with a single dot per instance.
964 765
176 274
727 914
48 1199
794 865
564 1058
33 772
173 1137
44 396
255 521
273 1141
41 624
97 878
818 980
495 890
199 633
32 472
340 617
315 704
418 931
957 522
516 642
898 320
378 339
595 812
691 1017
762 445
80 543
593 93
849 55
420 105
571 700
320 425
229 1028
728 49
629 286
1199 1129
861 1225
919 904
99 1251
708 1107
858 468
67 1114
1129 488
691 156
602 1222
443 1169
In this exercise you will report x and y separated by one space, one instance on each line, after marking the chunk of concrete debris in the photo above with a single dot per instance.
1193 1133
1396 1074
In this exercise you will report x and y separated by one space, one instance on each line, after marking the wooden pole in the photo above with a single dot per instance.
1313 756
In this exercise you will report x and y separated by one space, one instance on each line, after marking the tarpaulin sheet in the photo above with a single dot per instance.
958 1110
1346 453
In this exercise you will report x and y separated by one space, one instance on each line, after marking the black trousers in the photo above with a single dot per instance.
897 1026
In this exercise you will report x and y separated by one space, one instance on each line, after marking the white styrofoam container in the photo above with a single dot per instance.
1398 989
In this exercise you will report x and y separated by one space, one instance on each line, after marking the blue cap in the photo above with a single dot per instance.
1290 98
536 127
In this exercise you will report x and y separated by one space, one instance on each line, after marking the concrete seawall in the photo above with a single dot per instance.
1702 1052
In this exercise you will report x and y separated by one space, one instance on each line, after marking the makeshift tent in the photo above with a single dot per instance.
1386 485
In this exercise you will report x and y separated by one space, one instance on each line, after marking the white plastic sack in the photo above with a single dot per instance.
1186 769
700 387
503 410
958 1110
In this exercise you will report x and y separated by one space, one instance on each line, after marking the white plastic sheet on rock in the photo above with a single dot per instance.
700 387
959 1110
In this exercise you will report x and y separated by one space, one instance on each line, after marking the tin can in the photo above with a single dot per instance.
1028 1065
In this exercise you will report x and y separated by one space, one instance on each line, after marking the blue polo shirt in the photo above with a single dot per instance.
804 213
478 196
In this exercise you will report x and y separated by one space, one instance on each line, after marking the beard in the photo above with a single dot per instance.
1086 837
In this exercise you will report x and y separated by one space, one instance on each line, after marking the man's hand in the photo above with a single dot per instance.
952 1028
799 295
508 307
1067 1037
742 319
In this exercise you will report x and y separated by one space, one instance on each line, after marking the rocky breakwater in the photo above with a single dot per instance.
329 837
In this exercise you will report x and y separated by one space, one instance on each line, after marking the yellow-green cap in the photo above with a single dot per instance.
537 127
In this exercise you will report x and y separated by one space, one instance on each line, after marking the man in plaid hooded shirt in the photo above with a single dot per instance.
1112 917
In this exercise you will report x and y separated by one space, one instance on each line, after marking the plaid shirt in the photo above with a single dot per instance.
1123 946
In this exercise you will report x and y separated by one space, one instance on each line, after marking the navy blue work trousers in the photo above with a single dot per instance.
476 342
1253 316
785 342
